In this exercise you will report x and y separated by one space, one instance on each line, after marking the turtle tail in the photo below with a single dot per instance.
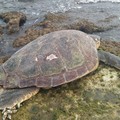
109 59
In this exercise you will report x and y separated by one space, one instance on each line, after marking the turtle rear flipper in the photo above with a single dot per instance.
9 98
109 59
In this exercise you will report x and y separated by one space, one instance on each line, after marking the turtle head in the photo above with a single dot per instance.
97 39
2 76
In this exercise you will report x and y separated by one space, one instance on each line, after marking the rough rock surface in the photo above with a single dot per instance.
93 97
14 20
54 22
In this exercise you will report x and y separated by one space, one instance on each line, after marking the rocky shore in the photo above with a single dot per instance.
93 97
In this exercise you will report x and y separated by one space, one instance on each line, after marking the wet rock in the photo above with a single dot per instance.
54 22
40 28
93 97
56 17
64 22
14 20
30 35
108 19
86 26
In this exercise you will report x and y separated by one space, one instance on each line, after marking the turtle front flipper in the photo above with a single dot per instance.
109 58
9 98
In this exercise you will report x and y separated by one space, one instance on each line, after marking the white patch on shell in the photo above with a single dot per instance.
36 59
51 57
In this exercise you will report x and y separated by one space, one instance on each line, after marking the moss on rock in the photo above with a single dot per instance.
4 58
54 22
1 31
93 97
13 19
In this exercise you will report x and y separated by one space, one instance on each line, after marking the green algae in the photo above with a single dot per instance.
54 22
83 99
93 97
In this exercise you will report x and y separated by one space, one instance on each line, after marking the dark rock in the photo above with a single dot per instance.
54 22
86 26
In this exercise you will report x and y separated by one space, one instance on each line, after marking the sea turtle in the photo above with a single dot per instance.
49 61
